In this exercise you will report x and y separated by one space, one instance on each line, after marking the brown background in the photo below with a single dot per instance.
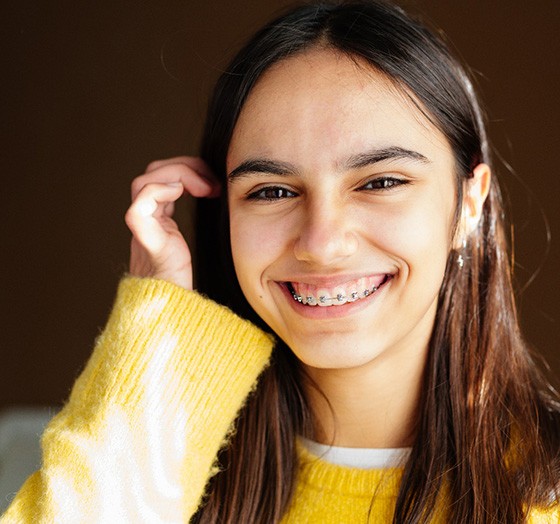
95 90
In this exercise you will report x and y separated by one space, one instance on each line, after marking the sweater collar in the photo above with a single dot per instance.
317 473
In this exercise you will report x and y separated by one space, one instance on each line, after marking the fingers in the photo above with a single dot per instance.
192 172
152 202
193 162
158 249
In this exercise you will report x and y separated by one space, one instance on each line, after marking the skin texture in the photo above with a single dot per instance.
303 210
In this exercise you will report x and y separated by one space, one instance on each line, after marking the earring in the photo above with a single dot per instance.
460 258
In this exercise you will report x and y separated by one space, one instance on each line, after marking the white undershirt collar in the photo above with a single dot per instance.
363 458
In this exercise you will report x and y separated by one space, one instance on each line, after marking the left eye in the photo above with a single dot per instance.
383 183
271 193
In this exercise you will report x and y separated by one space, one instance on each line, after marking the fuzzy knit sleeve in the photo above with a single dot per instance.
138 438
545 516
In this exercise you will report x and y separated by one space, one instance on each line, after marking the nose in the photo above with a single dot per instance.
326 235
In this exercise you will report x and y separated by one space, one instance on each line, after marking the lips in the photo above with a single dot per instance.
338 295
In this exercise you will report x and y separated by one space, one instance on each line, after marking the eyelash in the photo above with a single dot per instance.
385 183
261 194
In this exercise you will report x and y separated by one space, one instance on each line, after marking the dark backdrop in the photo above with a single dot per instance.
92 91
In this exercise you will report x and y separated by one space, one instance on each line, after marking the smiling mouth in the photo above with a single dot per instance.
336 297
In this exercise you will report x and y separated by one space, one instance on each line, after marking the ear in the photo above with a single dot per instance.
474 195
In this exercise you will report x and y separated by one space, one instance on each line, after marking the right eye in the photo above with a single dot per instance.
271 193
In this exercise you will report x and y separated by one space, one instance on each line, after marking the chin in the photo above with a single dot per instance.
335 352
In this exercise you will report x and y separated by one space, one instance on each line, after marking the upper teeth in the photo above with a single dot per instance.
331 299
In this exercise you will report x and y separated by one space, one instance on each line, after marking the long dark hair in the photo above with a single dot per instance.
489 425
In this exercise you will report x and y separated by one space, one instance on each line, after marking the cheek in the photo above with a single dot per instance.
255 244
418 236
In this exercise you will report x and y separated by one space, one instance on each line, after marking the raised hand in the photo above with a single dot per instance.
158 249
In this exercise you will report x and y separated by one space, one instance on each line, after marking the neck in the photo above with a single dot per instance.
372 406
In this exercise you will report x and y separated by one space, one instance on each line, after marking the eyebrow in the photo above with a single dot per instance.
258 165
380 155
369 158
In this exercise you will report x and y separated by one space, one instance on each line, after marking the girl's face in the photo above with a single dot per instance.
342 193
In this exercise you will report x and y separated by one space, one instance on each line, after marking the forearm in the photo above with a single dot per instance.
139 435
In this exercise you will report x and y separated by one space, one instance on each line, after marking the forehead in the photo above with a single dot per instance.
322 105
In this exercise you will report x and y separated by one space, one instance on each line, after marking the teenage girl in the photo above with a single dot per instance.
352 217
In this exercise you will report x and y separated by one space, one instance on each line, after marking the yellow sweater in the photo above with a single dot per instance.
138 437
